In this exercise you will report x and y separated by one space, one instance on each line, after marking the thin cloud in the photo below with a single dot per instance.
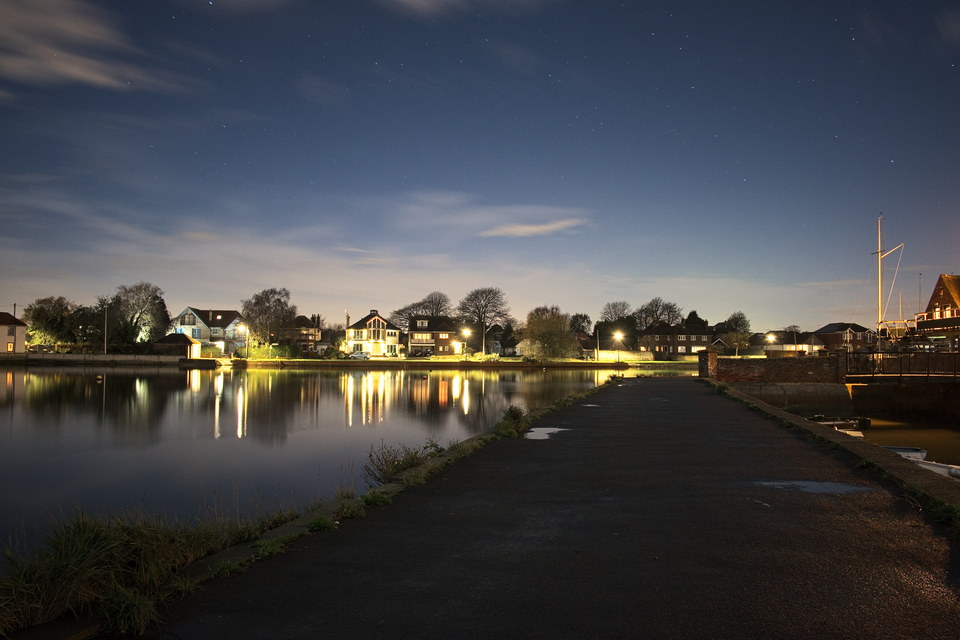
527 230
316 89
435 8
52 42
520 59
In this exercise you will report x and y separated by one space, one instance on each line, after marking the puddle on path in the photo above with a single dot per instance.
810 486
542 433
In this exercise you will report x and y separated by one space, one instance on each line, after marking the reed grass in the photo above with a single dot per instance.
118 568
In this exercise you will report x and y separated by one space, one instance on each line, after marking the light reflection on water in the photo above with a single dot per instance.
183 443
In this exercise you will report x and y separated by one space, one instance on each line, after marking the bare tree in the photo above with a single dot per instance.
436 303
267 311
484 307
401 317
613 311
656 311
140 313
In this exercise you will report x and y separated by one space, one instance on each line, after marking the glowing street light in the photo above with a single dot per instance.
466 336
618 336
243 331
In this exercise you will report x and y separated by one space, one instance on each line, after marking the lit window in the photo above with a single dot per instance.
444 336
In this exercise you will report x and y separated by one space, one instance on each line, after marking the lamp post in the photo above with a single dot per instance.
771 338
466 336
618 336
243 331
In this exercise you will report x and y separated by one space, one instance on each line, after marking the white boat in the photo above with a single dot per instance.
911 453
944 469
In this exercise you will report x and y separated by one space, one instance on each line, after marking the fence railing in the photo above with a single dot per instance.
939 365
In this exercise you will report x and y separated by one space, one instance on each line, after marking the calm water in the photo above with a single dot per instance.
940 438
182 443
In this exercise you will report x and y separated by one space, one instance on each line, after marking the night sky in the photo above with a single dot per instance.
363 153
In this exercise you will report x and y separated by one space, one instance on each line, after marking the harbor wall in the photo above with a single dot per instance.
935 400
808 369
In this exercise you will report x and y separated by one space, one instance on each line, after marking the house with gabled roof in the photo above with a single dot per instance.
373 334
940 322
14 333
305 334
846 336
434 335
668 341
218 327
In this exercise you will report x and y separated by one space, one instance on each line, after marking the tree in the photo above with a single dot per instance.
548 332
483 307
401 317
737 339
267 311
656 311
737 323
695 323
139 313
49 320
735 331
580 323
435 303
614 311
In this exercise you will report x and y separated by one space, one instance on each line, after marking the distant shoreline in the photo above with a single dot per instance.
292 363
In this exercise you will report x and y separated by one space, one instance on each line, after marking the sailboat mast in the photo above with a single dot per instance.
879 274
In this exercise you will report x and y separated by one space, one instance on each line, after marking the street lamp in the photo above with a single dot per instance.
243 331
618 336
466 336
771 338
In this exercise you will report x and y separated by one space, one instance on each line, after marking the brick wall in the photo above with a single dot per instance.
806 369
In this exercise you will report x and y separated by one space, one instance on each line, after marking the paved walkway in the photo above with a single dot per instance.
663 510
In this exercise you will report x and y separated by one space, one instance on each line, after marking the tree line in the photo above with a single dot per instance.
138 314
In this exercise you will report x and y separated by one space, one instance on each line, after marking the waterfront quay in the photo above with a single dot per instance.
652 508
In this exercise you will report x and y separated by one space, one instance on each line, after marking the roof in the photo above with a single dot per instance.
951 291
434 323
840 327
176 338
362 322
300 322
8 319
221 318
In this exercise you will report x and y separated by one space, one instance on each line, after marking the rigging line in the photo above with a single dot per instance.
893 284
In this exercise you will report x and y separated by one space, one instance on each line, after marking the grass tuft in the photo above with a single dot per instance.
119 568
375 498
513 424
321 524
385 462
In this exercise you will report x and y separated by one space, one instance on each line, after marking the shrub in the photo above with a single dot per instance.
513 424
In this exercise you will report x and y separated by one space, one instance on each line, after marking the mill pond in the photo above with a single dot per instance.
183 444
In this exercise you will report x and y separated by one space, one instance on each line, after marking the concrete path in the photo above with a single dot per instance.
662 510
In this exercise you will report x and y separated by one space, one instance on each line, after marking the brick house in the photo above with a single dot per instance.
434 335
846 336
668 341
940 322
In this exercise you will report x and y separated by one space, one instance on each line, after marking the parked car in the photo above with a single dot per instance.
359 355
